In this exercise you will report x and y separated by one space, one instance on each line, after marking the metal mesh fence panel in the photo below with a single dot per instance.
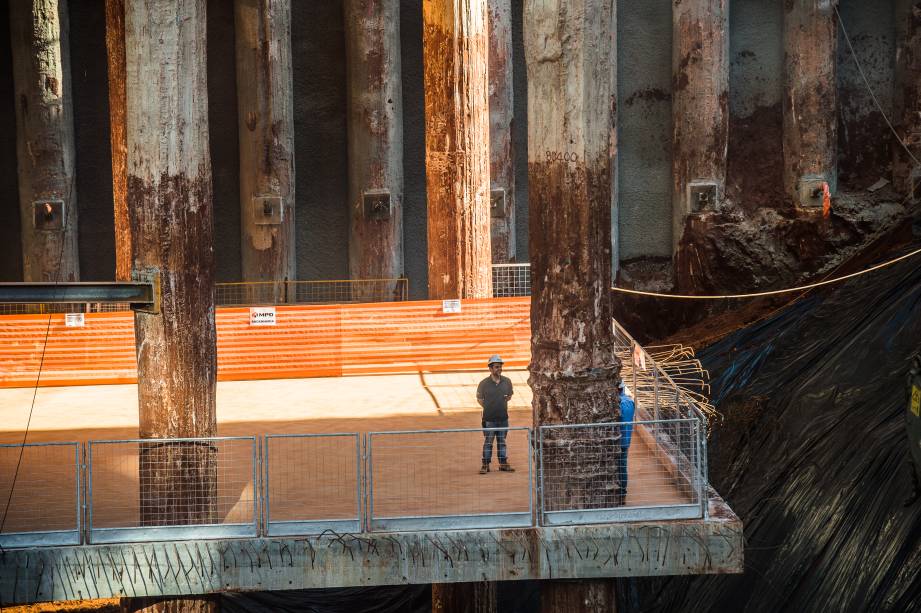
510 280
311 292
312 483
141 490
618 472
44 501
8 308
430 479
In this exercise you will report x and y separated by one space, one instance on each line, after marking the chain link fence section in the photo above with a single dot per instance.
171 489
312 483
44 502
253 294
511 280
585 476
9 308
430 480
311 292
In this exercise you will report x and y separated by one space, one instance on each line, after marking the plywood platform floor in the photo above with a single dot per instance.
414 474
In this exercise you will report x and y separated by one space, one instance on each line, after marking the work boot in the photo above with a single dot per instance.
485 468
506 467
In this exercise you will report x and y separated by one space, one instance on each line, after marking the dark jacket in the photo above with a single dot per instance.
494 398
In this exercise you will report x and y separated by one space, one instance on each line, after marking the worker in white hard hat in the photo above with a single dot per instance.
493 395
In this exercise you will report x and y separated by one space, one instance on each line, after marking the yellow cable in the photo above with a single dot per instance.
772 292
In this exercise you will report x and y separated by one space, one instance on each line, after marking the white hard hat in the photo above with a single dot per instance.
495 359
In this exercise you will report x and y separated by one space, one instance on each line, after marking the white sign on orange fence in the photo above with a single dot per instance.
451 306
262 316
74 320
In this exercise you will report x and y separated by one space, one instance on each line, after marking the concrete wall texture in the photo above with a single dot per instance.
644 123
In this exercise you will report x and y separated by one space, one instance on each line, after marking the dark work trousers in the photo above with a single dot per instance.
499 435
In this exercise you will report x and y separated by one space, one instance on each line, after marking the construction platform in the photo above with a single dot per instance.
335 481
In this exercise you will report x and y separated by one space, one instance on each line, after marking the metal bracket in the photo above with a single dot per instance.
48 215
702 195
497 204
811 190
267 210
377 204
151 276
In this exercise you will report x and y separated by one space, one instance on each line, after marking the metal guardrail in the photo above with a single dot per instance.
171 489
288 485
430 480
656 394
45 504
584 474
313 483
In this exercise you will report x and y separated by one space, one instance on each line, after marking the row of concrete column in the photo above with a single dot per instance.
478 78
700 118
266 139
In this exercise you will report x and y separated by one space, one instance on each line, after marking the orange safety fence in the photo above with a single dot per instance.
307 341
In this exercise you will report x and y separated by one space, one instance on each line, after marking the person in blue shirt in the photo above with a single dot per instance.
627 408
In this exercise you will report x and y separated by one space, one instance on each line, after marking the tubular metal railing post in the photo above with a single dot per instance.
258 499
531 476
358 472
705 479
88 492
79 468
540 475
370 478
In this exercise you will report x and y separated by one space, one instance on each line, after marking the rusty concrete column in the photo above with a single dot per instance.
810 121
375 98
45 140
907 100
700 107
479 597
570 51
455 56
577 596
171 215
501 117
115 53
266 140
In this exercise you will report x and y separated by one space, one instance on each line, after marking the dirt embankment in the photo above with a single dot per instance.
756 240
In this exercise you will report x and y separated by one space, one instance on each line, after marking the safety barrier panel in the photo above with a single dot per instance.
511 280
585 476
306 341
172 489
289 485
312 483
43 506
430 480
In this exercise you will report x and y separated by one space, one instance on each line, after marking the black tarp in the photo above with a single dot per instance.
387 599
512 596
811 455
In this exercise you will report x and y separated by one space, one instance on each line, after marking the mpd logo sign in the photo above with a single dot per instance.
262 316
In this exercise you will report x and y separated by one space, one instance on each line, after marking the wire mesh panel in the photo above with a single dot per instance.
13 308
510 280
595 473
311 292
312 483
39 494
430 479
166 489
